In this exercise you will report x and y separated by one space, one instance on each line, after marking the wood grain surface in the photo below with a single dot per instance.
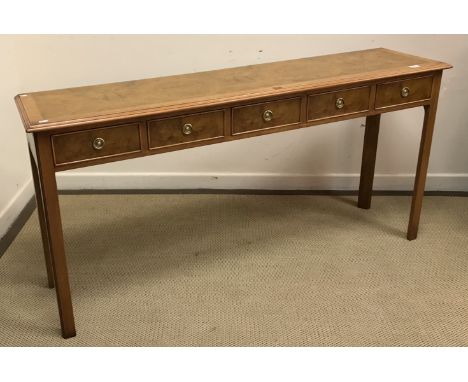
389 94
67 107
169 131
324 105
78 146
251 117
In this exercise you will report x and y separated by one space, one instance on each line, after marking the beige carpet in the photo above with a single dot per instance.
235 270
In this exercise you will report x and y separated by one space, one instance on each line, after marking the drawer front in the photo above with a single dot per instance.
186 129
96 143
266 115
336 103
400 92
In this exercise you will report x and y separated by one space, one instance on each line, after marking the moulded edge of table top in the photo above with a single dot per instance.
29 107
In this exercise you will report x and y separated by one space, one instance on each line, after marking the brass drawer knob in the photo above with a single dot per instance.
187 129
405 92
339 103
267 115
98 143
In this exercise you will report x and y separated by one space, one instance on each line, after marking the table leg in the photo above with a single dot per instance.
423 160
42 221
371 136
48 185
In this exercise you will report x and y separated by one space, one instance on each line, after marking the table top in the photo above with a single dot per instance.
55 109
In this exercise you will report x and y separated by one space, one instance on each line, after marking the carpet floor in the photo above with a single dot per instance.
244 270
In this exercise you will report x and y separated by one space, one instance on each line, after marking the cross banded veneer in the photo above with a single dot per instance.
90 125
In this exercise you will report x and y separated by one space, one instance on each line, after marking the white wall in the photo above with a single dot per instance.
15 176
319 157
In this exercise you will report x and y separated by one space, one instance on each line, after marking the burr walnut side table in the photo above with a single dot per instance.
90 125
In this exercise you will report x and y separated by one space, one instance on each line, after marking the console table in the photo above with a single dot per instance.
90 125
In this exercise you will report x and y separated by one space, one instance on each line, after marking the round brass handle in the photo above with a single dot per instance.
405 92
339 103
187 129
267 115
98 143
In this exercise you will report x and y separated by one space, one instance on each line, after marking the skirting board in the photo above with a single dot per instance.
251 181
223 181
16 213
16 205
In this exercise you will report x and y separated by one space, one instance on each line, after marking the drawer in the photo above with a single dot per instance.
337 103
400 92
185 129
266 115
96 143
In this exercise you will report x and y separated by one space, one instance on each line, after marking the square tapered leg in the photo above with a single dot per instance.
371 136
53 227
